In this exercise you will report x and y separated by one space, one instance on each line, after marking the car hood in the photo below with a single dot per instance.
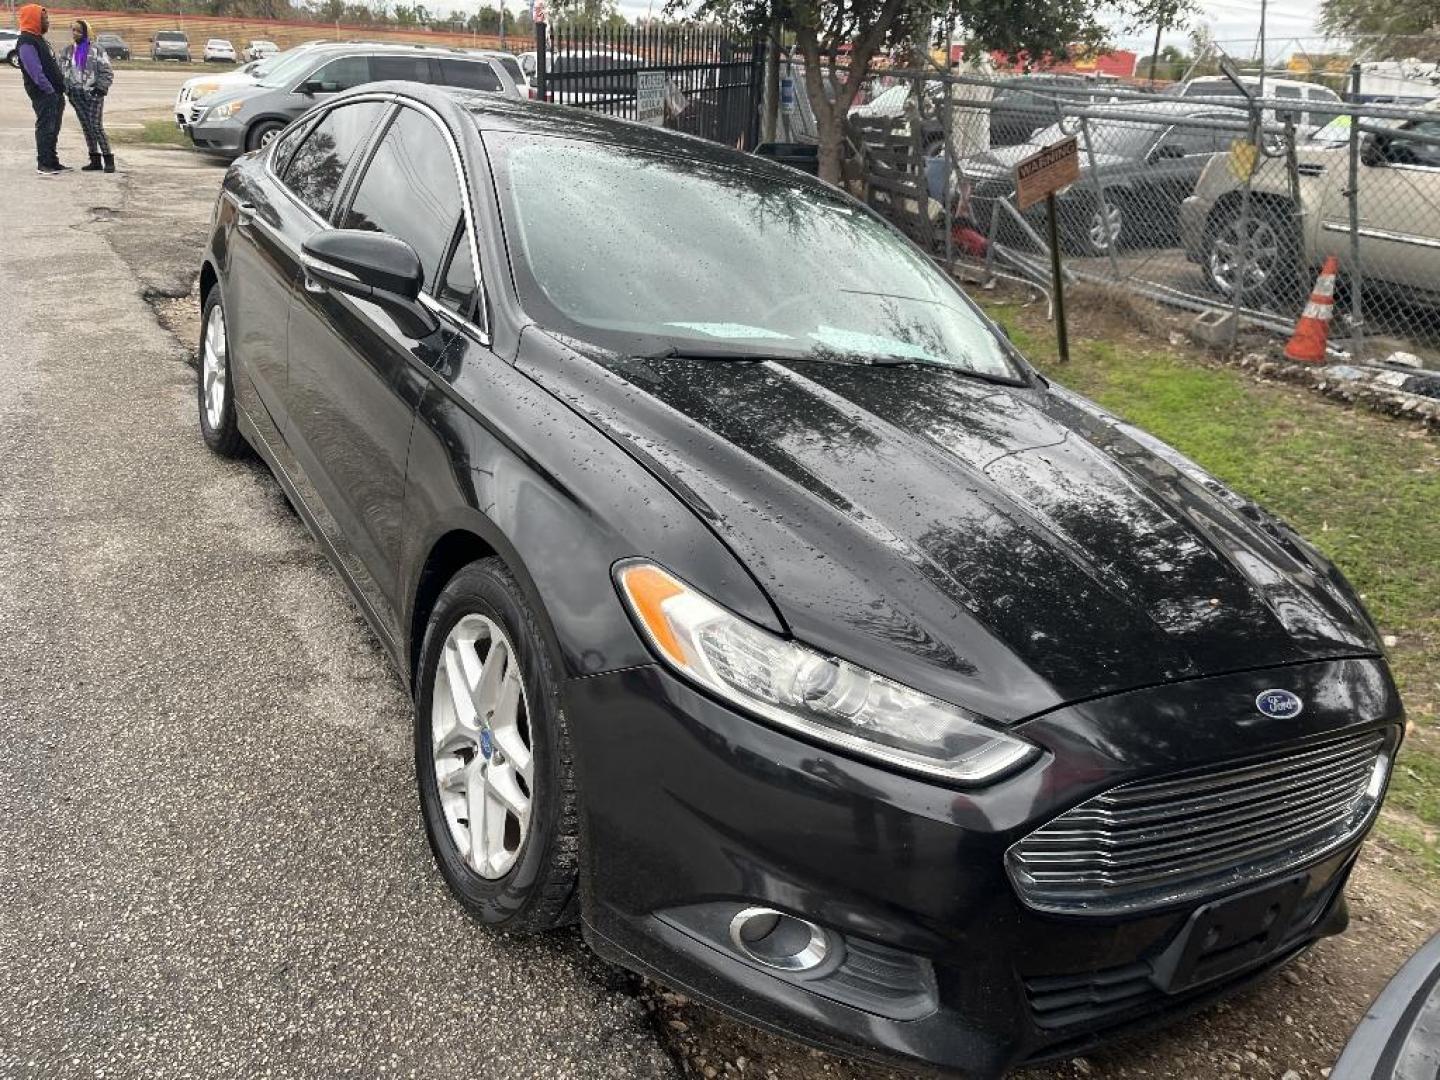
1005 549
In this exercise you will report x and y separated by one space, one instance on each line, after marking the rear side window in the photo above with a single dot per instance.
342 73
284 146
408 68
410 189
512 68
471 75
314 172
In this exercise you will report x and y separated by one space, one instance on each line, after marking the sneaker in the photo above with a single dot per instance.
51 170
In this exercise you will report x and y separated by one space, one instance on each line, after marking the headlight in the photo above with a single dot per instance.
798 689
224 112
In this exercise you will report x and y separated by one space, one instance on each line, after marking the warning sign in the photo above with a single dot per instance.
1047 171
650 97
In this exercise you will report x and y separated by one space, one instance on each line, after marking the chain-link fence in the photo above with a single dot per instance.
1204 195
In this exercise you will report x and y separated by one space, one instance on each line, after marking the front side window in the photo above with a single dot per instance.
1189 141
410 189
340 74
314 172
1403 149
459 291
692 255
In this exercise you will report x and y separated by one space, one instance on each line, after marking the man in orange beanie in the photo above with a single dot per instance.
44 84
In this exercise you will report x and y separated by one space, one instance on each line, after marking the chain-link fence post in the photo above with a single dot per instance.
1352 196
1242 268
1100 199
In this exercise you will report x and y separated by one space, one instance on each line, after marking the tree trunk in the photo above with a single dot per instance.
772 83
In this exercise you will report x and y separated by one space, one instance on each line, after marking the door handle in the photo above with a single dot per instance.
244 214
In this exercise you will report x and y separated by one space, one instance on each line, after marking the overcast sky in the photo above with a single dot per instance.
1233 23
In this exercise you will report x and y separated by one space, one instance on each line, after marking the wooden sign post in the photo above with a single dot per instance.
1038 177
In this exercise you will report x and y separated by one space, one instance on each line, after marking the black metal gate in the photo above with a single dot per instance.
690 79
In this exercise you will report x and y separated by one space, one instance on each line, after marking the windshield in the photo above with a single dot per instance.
1122 138
283 68
645 253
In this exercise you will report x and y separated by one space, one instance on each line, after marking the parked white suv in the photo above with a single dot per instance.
1312 96
1398 189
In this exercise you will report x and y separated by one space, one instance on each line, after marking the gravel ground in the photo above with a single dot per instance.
216 859
213 862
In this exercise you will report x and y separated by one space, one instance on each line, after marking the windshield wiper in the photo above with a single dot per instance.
687 352
859 359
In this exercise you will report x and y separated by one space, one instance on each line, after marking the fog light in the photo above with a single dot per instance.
777 940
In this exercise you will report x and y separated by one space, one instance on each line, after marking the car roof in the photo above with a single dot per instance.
369 48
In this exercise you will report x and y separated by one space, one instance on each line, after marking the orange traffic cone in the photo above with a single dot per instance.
1307 344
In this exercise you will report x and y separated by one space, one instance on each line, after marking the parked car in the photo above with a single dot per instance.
1315 97
1285 243
1018 107
114 46
240 118
764 611
218 50
170 45
203 86
260 49
9 41
1146 167
1398 1038
590 76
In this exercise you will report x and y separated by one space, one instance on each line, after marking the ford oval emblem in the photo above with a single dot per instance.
1279 704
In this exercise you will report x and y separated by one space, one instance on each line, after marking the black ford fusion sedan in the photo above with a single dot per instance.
763 610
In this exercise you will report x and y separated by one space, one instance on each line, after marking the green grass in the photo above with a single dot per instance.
1365 489
152 133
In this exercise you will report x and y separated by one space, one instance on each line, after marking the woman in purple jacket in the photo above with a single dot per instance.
88 76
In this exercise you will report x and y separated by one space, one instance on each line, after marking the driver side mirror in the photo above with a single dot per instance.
1167 152
310 87
371 266
1372 150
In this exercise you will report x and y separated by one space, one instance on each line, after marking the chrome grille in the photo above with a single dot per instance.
1189 834
195 111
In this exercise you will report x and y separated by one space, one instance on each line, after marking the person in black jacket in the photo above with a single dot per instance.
44 83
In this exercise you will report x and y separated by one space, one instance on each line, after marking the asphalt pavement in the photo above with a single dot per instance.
211 859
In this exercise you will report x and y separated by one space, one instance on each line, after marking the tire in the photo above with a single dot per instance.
1270 259
214 387
1092 234
13 59
523 880
262 134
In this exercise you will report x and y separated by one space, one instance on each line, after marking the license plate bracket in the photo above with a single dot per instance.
1226 935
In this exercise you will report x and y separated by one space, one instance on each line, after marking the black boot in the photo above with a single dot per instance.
109 162
94 165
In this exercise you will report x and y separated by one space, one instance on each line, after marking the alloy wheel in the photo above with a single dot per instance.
480 737
213 367
1106 224
268 136
1262 253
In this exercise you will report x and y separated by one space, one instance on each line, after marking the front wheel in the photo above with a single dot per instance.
492 755
218 425
1264 245
263 134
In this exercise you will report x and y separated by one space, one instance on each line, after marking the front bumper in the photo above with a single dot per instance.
692 810
225 137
